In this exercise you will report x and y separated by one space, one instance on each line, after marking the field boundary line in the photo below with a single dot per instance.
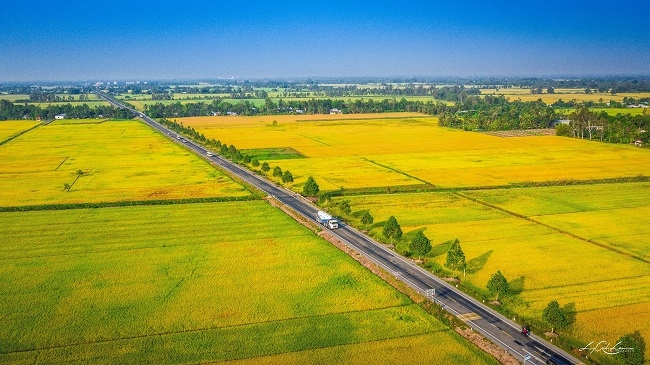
341 345
169 333
20 134
128 203
573 235
317 141
64 160
430 188
396 170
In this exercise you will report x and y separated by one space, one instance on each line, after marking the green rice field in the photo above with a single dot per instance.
202 283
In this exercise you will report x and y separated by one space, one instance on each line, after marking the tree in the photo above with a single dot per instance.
367 219
80 173
265 167
392 229
247 159
310 188
563 130
287 177
636 342
277 171
557 317
324 197
255 163
456 257
67 187
420 245
344 207
498 285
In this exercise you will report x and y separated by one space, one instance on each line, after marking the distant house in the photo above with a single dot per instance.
560 121
638 143
335 111
60 116
231 113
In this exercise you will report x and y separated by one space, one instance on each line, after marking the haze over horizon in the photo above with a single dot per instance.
202 40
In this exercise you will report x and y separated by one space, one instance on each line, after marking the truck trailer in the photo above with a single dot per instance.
327 220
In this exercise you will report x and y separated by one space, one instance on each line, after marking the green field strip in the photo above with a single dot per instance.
19 134
403 336
570 234
283 335
126 249
588 282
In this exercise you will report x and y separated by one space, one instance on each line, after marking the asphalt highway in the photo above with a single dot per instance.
494 326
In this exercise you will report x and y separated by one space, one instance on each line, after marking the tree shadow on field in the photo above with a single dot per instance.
440 249
408 236
476 264
517 285
359 213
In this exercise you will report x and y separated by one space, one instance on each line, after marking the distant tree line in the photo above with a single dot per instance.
448 93
497 113
601 103
49 97
9 110
312 106
620 128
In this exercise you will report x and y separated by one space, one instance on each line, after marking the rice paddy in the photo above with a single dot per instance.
195 283
10 128
119 161
581 244
364 151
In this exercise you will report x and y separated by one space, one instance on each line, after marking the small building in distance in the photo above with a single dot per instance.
560 121
335 111
60 116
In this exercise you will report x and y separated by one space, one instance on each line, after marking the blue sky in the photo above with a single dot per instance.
137 40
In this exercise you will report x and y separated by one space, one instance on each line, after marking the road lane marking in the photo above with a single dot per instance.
358 236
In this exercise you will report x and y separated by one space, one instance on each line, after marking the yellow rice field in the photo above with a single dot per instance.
564 94
121 160
614 215
9 128
550 264
401 149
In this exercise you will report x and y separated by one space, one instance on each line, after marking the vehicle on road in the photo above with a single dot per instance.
406 271
209 154
327 220
556 360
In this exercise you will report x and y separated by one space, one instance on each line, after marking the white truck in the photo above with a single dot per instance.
327 220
